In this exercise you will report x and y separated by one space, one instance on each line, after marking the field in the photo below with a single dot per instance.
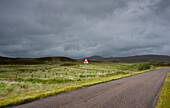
163 100
19 80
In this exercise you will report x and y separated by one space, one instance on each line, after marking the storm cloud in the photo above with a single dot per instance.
82 28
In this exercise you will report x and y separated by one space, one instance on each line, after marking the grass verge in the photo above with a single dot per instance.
28 97
164 96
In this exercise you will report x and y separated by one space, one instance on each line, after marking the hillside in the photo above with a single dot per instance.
96 57
43 60
30 61
140 58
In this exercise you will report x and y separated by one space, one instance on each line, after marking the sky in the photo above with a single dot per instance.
82 28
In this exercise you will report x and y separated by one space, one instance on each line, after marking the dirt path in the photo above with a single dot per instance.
137 91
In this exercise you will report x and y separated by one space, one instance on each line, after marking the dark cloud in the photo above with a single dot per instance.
79 28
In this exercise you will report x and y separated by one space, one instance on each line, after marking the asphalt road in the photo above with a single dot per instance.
138 91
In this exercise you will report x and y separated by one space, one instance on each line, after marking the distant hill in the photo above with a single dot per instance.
42 60
139 58
30 61
95 57
64 59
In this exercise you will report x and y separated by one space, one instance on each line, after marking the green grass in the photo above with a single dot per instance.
164 96
144 66
25 83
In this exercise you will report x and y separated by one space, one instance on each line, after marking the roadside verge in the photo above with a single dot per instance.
164 95
28 97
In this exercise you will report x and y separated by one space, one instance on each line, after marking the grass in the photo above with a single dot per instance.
164 96
144 66
25 83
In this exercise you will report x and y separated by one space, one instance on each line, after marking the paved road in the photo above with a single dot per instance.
138 91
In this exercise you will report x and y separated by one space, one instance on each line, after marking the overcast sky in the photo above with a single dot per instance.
82 28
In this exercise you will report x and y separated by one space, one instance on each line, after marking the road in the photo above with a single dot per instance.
137 91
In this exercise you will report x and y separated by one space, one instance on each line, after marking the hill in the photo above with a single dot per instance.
43 60
139 58
95 57
32 61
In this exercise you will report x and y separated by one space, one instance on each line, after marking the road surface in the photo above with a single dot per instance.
138 91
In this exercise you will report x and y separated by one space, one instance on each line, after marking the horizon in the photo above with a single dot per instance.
89 56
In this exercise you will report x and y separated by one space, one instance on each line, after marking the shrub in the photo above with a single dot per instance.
144 66
160 64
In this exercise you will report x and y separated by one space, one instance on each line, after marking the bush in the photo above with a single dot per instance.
144 66
160 64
